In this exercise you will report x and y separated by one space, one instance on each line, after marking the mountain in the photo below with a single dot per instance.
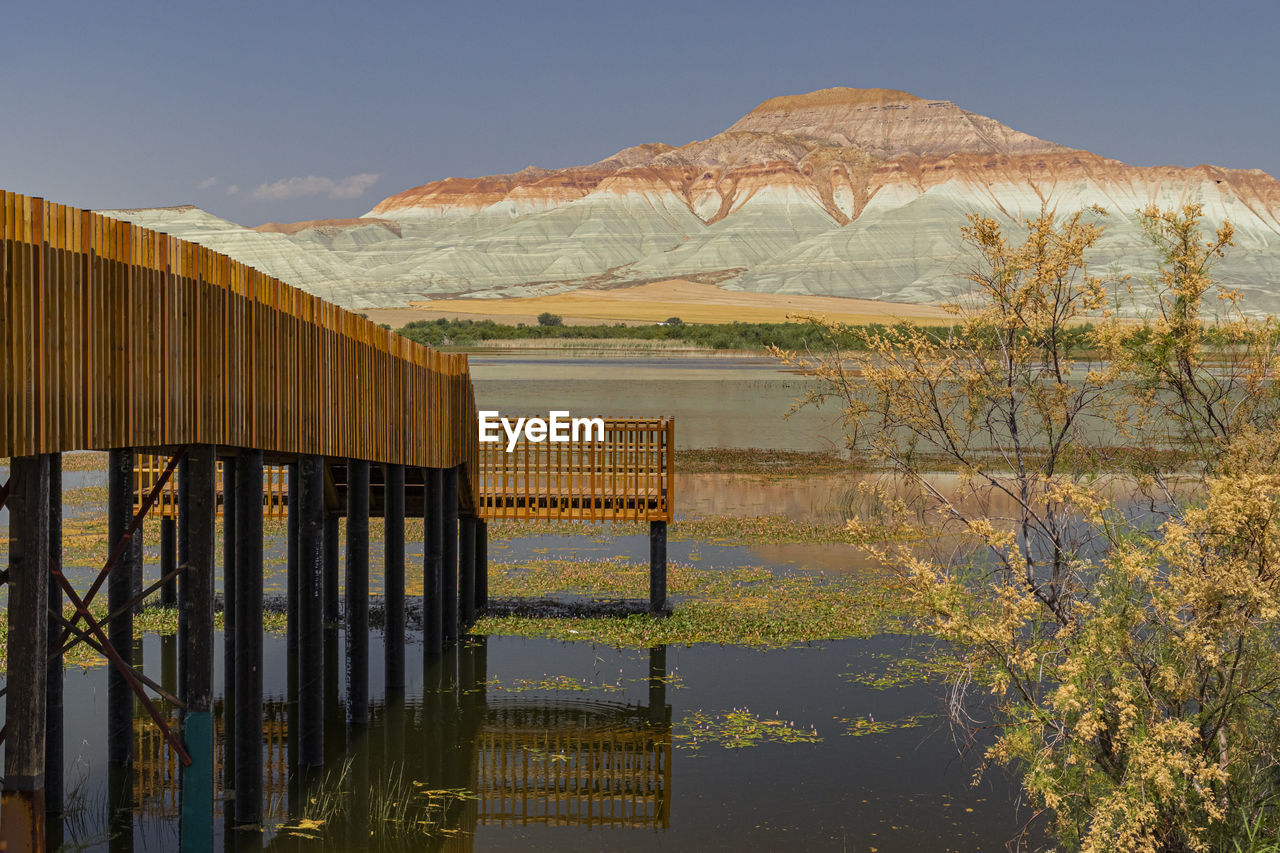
840 192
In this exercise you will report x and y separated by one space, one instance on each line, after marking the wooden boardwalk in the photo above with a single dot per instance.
220 390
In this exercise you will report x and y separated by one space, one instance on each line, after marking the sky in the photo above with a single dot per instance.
282 111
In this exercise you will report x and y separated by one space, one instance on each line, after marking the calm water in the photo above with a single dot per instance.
610 767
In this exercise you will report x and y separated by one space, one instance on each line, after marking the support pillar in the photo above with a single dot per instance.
184 557
22 806
248 663
657 685
449 570
310 612
482 566
331 554
53 729
393 577
358 591
657 567
291 563
120 498
433 568
168 560
229 618
467 570
196 527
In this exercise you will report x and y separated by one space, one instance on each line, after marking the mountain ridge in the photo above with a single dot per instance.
838 192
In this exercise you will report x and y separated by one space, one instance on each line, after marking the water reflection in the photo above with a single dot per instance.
522 759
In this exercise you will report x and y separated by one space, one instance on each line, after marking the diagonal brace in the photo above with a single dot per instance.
116 554
125 670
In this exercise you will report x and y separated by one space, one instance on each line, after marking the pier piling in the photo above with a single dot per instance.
393 578
248 663
449 568
467 570
197 514
357 589
120 499
22 806
311 612
433 562
657 567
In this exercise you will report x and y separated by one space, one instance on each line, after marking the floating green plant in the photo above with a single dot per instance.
737 729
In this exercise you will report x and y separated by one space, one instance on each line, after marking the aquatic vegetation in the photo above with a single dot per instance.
746 606
551 683
868 725
719 529
737 729
395 808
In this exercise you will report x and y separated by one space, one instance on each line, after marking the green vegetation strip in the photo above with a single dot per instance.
742 606
716 529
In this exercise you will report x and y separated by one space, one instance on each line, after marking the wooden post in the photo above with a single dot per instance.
358 591
168 560
53 727
331 554
120 496
248 664
449 569
22 806
311 612
482 566
657 567
393 577
291 563
433 562
196 527
467 569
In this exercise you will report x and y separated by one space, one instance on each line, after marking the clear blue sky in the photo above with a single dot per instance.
145 104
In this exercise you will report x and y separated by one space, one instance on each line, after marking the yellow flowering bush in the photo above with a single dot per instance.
1118 586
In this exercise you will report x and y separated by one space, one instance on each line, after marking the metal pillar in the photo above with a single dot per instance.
467 569
53 732
197 521
657 685
120 498
310 611
22 806
168 560
184 557
248 663
482 566
449 572
657 566
331 554
358 591
229 618
393 577
433 562
291 562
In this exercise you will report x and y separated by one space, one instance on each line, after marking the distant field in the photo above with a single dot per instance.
692 302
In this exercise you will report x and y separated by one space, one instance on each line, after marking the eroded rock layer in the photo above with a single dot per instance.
841 192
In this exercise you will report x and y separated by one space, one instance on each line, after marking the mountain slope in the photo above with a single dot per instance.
840 192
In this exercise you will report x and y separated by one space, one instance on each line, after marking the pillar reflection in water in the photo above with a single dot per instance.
516 758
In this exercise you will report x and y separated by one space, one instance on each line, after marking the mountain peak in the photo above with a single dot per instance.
836 97
889 123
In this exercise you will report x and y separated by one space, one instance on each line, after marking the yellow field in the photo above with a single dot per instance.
692 302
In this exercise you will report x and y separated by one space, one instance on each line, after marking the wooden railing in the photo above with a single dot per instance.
114 335
627 476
